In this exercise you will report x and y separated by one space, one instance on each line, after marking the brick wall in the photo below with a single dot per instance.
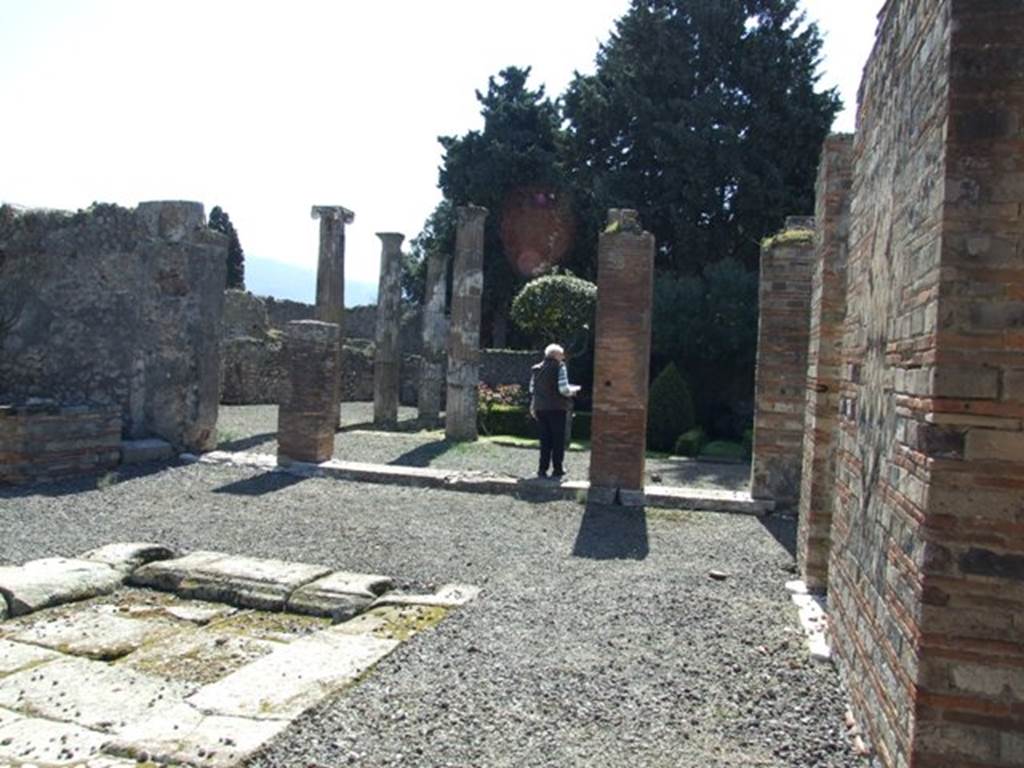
43 440
926 577
824 358
780 388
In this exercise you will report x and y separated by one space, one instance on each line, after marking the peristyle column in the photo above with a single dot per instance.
432 355
387 356
330 273
625 285
464 329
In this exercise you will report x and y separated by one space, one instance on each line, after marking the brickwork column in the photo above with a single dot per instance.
625 276
780 395
464 328
434 325
387 356
306 418
824 360
330 272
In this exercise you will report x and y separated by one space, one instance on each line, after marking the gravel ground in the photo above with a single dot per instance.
599 639
253 428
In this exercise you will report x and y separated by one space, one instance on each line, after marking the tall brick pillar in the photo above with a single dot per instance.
926 578
330 272
464 328
434 325
387 355
305 417
625 277
780 394
824 360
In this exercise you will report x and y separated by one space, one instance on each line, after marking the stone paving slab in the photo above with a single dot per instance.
197 657
293 678
341 595
28 741
54 580
248 582
15 657
448 596
185 735
393 622
278 627
127 556
93 634
89 693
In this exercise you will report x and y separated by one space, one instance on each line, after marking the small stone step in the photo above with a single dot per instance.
148 449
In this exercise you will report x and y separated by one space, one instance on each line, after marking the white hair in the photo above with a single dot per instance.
553 349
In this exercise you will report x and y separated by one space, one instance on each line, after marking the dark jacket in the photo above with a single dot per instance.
546 396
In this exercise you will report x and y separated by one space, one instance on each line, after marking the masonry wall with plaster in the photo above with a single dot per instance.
926 547
115 306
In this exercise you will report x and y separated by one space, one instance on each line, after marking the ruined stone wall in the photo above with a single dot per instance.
360 322
116 306
824 360
926 577
780 388
41 440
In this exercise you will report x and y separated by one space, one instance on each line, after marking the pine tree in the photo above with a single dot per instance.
221 222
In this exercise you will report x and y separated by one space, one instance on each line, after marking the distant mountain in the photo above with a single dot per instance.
266 277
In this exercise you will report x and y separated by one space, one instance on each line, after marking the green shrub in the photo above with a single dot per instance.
690 442
512 420
748 442
723 449
670 409
555 308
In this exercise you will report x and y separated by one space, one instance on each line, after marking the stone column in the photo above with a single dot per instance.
434 325
306 417
330 272
622 350
387 356
464 328
780 389
824 360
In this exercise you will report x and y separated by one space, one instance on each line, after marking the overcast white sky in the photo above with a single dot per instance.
267 108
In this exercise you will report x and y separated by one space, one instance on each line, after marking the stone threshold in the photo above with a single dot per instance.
812 609
663 496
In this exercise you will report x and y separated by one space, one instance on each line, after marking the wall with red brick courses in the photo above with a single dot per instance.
625 276
926 577
45 441
306 417
780 387
824 359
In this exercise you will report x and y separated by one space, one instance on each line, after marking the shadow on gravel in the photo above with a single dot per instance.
783 529
612 533
96 481
268 482
423 455
245 443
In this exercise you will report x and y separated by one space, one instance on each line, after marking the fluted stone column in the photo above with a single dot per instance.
306 416
464 328
387 356
625 284
330 273
434 326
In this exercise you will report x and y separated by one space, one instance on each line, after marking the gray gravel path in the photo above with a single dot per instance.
598 640
253 428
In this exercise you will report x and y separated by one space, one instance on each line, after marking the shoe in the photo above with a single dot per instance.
543 475
563 473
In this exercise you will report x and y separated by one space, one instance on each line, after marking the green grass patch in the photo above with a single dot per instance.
724 449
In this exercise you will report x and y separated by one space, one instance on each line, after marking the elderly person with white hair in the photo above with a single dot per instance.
550 402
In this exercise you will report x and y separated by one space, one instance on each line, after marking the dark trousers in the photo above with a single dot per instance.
551 425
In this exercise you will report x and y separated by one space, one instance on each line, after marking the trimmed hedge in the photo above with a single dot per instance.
691 442
515 420
670 409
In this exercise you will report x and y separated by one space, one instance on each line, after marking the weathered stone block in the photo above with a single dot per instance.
53 581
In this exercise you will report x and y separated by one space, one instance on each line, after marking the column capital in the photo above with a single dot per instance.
391 240
333 212
468 214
